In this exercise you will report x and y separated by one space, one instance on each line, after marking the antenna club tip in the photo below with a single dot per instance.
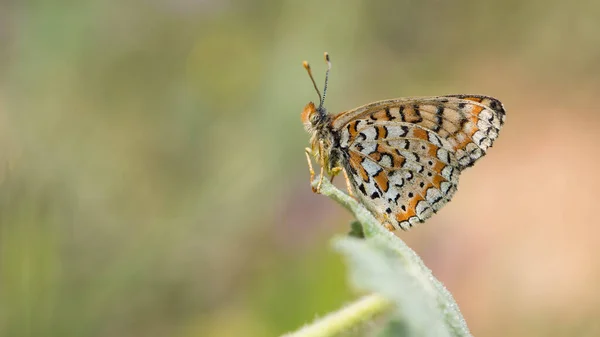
305 65
327 60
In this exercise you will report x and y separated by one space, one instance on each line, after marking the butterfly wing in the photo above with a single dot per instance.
405 155
481 118
470 123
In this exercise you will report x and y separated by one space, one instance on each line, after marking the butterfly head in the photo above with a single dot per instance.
313 116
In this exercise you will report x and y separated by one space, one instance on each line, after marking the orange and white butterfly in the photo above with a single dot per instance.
402 157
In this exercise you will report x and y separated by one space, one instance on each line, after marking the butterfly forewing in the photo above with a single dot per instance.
405 155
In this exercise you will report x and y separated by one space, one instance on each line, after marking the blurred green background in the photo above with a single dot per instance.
154 181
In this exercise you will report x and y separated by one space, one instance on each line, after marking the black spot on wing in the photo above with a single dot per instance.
439 114
388 114
401 112
417 113
405 130
417 158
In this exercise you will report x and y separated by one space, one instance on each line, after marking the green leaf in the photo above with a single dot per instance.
375 267
377 237
402 287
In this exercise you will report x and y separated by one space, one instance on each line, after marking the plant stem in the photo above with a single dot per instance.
347 318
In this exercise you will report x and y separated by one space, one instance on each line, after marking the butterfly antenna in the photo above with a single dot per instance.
307 67
326 79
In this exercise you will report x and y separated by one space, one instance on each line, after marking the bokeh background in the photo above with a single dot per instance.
153 180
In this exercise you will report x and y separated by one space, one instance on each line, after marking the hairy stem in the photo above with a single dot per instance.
347 318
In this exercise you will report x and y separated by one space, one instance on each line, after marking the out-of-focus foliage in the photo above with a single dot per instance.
154 181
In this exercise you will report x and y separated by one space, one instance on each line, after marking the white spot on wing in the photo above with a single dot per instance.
370 133
386 161
447 172
433 195
421 207
435 140
413 220
396 179
395 131
476 154
443 155
409 156
483 125
412 166
445 186
471 147
485 114
478 136
370 167
485 143
368 147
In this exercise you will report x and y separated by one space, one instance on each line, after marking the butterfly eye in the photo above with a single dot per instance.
314 118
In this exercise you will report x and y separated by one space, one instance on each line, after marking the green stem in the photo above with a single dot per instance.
347 318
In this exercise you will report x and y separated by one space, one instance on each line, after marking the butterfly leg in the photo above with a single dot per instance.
308 152
337 170
334 172
322 163
348 185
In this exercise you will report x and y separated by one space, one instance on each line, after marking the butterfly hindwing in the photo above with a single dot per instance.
403 172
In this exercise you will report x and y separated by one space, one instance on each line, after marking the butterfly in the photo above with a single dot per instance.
402 157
